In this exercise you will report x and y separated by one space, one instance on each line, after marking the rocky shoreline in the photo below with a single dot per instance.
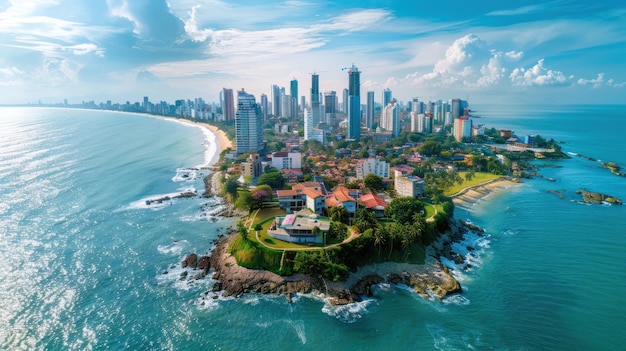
431 280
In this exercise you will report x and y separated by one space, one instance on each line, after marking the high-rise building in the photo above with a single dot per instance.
330 107
371 108
228 107
315 98
390 118
264 107
276 100
248 124
354 103
345 101
293 91
286 106
310 132
462 128
455 108
386 96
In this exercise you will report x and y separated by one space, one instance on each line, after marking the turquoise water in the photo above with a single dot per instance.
84 259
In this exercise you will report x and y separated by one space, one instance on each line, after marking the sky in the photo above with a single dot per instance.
547 52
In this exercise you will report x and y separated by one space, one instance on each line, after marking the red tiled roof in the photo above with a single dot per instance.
312 193
372 201
281 193
342 194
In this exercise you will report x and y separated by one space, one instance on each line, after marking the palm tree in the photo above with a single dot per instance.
379 237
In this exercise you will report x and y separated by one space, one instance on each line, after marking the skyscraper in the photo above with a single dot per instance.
264 107
345 101
276 100
354 103
293 91
315 98
228 107
248 124
330 107
386 97
371 108
390 118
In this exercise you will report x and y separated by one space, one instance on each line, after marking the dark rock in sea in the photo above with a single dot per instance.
199 275
183 275
217 286
165 272
590 197
204 263
190 261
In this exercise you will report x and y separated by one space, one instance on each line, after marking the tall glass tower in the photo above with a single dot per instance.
354 103
293 91
248 124
315 98
369 115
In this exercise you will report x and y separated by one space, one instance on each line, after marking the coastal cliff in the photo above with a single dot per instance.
430 280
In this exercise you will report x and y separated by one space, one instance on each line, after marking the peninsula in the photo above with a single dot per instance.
368 231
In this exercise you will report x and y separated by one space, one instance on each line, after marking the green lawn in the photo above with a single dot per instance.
478 178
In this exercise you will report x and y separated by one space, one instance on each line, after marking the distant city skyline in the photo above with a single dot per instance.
520 51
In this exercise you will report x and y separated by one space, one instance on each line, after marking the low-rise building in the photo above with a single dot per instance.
372 166
412 186
287 160
302 227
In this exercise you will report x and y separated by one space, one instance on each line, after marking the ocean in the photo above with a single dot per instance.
86 264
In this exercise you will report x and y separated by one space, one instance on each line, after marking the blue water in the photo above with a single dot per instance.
83 258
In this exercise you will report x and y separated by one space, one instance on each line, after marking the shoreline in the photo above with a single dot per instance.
432 279
471 195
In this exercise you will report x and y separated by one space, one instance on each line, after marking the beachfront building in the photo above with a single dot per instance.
372 166
248 124
302 227
408 185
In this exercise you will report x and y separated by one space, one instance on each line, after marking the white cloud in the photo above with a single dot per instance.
83 49
59 70
518 11
120 9
539 75
596 83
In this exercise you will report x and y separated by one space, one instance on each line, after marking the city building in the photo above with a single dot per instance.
407 185
370 110
287 160
293 92
330 107
248 124
276 105
264 107
386 96
315 99
228 106
252 167
354 103
310 132
372 166
462 128
390 118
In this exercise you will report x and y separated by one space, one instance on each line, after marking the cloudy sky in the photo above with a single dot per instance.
562 51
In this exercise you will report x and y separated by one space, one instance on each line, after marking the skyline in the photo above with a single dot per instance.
524 51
